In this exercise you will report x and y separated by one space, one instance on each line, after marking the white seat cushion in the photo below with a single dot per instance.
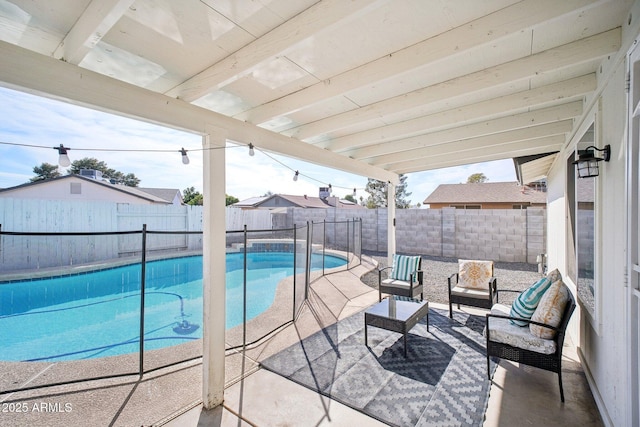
470 292
397 283
503 331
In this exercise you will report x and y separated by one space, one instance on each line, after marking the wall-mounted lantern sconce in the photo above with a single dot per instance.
587 163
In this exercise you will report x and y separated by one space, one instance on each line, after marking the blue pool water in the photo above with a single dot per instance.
96 314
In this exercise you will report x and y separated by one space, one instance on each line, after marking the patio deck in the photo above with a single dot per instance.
256 397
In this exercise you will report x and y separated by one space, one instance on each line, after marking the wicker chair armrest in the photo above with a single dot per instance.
380 270
416 277
529 321
505 290
450 280
509 290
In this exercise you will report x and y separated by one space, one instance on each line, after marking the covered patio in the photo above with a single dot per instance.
256 396
378 88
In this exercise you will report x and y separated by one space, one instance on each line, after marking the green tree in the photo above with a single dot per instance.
45 171
192 197
378 194
477 177
231 200
350 198
128 179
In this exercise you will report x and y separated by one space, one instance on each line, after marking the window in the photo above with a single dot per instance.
76 188
466 206
583 224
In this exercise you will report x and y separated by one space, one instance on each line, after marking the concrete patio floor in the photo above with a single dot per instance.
519 395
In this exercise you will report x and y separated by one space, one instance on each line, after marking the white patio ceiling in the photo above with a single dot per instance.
375 87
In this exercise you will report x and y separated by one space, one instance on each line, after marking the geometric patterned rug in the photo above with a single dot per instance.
443 381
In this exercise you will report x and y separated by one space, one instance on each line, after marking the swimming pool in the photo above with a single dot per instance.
96 314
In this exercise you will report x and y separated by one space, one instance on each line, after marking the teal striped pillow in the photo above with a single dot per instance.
404 266
525 305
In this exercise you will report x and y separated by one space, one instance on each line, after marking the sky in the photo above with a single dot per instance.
42 123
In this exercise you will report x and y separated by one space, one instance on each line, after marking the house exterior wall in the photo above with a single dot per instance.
601 335
61 190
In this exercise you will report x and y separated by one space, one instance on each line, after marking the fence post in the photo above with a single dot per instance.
348 260
143 274
307 272
295 273
360 254
324 241
244 292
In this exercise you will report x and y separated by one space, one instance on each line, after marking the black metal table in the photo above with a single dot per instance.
396 315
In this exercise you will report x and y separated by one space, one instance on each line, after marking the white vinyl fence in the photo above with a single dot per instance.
54 216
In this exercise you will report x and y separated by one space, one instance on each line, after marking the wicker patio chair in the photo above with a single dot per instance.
540 353
404 279
474 285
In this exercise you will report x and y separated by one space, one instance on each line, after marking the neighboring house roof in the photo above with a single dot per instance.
250 202
303 201
168 194
298 201
487 192
132 191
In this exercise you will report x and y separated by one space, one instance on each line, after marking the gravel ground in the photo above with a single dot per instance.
509 275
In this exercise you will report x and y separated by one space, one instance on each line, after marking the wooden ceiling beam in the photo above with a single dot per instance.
90 28
28 71
480 155
509 20
319 18
567 55
473 144
531 119
564 91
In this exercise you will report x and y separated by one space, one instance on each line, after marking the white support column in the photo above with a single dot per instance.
213 269
391 222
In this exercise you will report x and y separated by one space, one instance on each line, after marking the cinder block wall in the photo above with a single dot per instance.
498 234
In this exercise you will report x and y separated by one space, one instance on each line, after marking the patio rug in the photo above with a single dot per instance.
443 380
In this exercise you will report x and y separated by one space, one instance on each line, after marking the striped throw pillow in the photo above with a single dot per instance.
525 305
404 266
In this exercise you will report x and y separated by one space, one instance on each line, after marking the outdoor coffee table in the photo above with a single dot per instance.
395 315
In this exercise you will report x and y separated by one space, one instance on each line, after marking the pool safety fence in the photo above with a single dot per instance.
94 330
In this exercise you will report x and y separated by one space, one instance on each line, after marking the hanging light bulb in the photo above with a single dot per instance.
63 159
251 151
185 158
295 177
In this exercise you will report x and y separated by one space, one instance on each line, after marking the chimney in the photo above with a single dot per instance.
324 193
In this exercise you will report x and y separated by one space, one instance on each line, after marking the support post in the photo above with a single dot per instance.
213 268
391 222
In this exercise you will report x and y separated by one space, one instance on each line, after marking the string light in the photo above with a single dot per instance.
63 158
185 158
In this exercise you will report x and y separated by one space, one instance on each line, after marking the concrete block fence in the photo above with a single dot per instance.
506 235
